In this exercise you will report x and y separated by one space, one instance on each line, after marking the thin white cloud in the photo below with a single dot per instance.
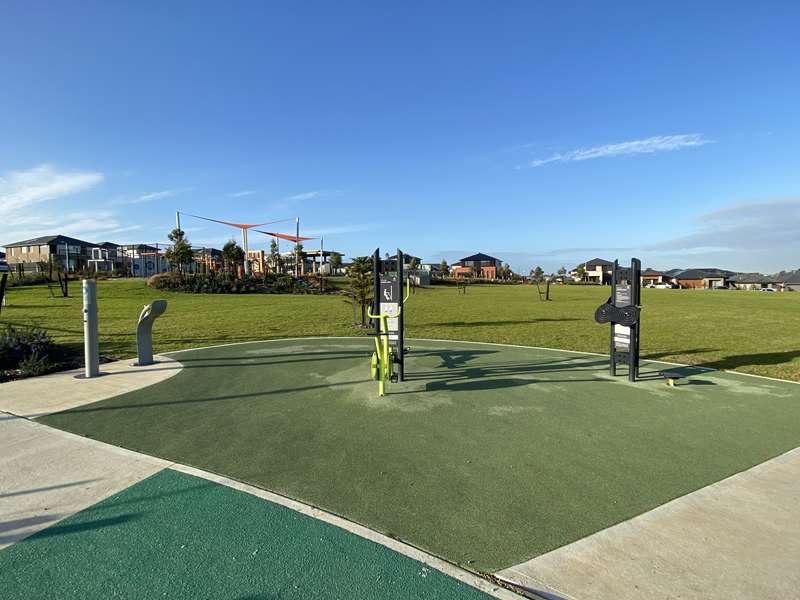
242 193
658 143
769 226
313 194
20 190
149 197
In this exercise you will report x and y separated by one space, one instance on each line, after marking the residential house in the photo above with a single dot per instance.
650 276
791 283
702 278
144 260
107 257
208 259
755 281
478 265
596 270
70 254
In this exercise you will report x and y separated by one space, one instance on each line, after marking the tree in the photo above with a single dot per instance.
274 256
180 253
412 266
359 274
443 268
504 272
580 272
538 273
562 271
232 255
335 261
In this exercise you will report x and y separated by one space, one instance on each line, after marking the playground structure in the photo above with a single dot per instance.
387 312
244 227
622 311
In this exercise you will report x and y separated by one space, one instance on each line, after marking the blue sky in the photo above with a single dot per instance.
541 132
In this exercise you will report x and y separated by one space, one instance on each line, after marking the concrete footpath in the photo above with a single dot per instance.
47 474
39 396
737 538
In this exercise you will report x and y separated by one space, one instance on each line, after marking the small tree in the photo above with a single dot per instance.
538 273
298 258
412 266
180 253
232 255
335 261
359 274
562 271
274 255
581 272
443 268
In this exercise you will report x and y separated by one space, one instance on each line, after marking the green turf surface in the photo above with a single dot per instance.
748 331
178 536
488 455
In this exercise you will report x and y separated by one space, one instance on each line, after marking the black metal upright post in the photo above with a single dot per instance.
612 351
633 354
400 340
376 300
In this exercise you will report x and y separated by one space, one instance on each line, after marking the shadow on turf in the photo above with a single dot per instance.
54 530
496 323
753 360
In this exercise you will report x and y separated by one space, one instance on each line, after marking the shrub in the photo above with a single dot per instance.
29 279
30 346
228 283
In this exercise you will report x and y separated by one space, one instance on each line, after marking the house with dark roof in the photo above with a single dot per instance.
478 265
67 252
791 282
596 271
710 278
755 281
653 277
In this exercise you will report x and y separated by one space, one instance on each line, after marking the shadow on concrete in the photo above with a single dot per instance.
60 486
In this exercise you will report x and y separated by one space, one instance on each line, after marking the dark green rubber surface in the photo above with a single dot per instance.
178 536
487 455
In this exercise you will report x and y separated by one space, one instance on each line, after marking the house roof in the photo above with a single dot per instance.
703 273
755 278
792 278
49 239
651 273
108 245
480 256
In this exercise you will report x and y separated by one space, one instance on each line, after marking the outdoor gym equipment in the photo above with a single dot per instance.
91 351
623 312
387 312
144 331
671 377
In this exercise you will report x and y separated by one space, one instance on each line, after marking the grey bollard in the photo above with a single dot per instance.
91 353
144 331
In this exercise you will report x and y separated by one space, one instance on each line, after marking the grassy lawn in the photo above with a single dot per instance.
747 331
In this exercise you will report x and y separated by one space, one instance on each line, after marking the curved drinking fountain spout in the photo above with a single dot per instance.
144 331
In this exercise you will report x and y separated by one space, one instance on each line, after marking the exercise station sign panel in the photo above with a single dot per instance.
622 337
390 305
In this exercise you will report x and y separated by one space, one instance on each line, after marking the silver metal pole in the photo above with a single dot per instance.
296 253
91 352
246 257
177 219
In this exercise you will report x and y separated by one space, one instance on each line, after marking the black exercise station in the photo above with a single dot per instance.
622 310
